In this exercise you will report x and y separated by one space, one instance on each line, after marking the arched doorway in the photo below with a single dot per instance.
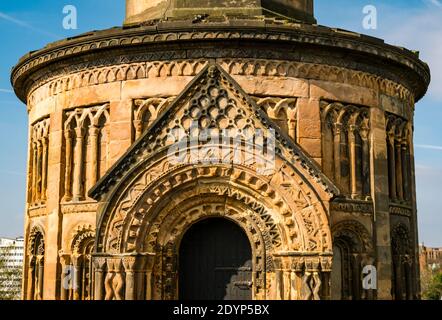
215 262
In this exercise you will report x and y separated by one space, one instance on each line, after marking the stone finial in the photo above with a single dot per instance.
138 11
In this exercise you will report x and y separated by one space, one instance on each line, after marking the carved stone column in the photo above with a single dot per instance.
279 284
297 268
392 165
291 115
31 278
352 145
408 263
65 260
399 186
114 281
405 170
306 290
76 262
129 267
337 128
138 128
99 266
78 164
364 131
68 170
326 269
34 173
148 269
39 278
312 279
39 171
93 166
44 174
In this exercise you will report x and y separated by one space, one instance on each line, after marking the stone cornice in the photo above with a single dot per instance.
416 74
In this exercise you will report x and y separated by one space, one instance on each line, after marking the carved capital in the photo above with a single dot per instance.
99 263
65 258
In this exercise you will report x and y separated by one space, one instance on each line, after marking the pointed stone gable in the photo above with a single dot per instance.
214 102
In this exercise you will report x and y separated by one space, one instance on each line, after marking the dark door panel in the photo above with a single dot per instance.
215 262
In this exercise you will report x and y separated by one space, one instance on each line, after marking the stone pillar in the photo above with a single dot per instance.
392 166
44 174
129 267
409 276
34 173
399 185
138 128
78 164
414 223
31 278
114 281
99 266
93 165
379 191
39 278
39 170
291 122
148 274
326 269
54 217
337 152
279 285
65 260
68 173
364 131
405 170
352 146
77 263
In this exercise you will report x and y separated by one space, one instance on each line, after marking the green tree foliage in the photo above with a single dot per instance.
434 289
9 276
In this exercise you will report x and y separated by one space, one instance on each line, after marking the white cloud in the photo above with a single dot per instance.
437 3
419 30
429 147
26 25
6 91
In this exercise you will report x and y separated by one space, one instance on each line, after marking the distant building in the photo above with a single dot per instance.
430 258
11 255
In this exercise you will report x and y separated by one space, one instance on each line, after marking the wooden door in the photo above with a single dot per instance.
215 262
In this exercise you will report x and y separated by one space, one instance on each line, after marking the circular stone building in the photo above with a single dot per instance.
221 149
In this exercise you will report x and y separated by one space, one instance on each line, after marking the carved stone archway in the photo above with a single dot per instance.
353 250
148 201
36 256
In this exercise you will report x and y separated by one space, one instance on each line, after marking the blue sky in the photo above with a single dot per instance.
415 24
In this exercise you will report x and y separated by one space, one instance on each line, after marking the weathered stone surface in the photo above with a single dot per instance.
343 92
144 10
342 180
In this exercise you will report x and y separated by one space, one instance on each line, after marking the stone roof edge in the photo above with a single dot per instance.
256 30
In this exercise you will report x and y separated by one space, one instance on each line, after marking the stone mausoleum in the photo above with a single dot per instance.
221 149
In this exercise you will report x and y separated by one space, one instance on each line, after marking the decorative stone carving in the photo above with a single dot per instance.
277 211
38 169
401 210
147 111
283 111
346 205
345 140
398 154
86 154
353 249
